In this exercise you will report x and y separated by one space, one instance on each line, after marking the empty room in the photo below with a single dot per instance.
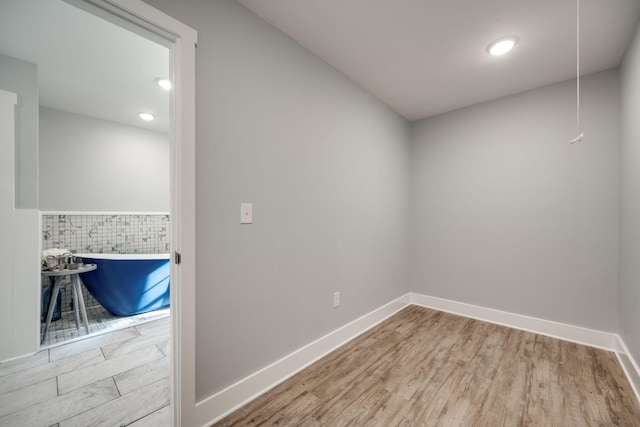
405 213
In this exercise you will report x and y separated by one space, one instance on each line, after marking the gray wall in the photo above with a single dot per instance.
629 292
88 164
325 165
507 214
21 77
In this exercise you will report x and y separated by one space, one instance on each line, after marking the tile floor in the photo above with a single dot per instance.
100 321
119 378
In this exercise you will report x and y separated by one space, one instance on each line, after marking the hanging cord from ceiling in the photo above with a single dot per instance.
579 135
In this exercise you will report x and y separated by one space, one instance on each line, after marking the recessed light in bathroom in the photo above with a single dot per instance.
164 83
147 117
502 45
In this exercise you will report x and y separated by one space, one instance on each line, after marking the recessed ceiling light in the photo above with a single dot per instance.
502 45
147 117
164 83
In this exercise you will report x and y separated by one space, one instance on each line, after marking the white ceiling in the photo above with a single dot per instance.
85 64
425 57
420 57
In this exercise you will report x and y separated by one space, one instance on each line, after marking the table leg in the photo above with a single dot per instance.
53 296
78 284
75 305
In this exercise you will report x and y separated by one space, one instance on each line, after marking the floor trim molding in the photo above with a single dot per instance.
629 366
563 331
223 403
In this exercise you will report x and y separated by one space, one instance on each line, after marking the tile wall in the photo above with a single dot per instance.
116 234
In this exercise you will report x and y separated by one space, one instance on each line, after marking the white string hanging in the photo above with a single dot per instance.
579 135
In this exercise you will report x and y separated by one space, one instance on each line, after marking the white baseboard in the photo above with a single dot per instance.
221 404
629 366
22 356
577 334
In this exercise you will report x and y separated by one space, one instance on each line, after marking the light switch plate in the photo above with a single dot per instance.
246 213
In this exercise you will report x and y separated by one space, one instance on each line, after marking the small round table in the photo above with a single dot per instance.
76 284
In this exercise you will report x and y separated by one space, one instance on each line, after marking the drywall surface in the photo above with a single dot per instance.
94 165
506 214
325 165
629 291
21 78
19 261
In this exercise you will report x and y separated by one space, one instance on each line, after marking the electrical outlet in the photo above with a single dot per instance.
246 213
336 299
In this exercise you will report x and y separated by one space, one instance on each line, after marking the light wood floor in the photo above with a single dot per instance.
116 379
427 368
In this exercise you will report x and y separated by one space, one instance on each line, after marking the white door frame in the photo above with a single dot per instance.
181 40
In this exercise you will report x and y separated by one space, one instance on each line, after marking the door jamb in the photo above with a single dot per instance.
181 40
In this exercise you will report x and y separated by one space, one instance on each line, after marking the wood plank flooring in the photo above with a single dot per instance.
428 368
116 379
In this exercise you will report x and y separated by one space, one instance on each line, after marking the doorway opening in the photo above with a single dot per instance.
103 172
178 41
